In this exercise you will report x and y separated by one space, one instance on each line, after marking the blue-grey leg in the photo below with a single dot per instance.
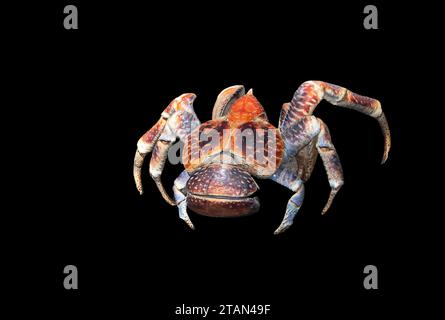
331 162
296 136
179 189
288 178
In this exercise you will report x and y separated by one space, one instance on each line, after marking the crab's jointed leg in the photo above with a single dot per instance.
145 145
331 162
177 121
299 135
157 163
302 132
179 189
310 93
288 178
307 130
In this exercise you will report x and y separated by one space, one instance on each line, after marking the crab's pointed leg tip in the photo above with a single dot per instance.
279 230
170 201
385 157
326 207
190 224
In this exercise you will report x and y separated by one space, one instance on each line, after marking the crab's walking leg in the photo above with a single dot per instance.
331 162
145 146
289 179
157 163
177 121
310 93
299 135
179 189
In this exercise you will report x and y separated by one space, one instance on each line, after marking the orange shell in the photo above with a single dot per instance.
246 108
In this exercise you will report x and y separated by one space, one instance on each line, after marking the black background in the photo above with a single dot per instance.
107 84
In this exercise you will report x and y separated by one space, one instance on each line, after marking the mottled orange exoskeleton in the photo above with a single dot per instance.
221 156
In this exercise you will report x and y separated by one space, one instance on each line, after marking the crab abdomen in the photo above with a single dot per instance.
221 180
222 190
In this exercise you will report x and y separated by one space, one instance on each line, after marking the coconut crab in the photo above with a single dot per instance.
218 176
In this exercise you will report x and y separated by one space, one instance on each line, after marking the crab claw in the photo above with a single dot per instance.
225 100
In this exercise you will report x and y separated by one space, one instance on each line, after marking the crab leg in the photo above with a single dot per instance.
157 163
177 121
310 93
302 133
148 140
179 189
145 146
299 135
289 179
331 162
